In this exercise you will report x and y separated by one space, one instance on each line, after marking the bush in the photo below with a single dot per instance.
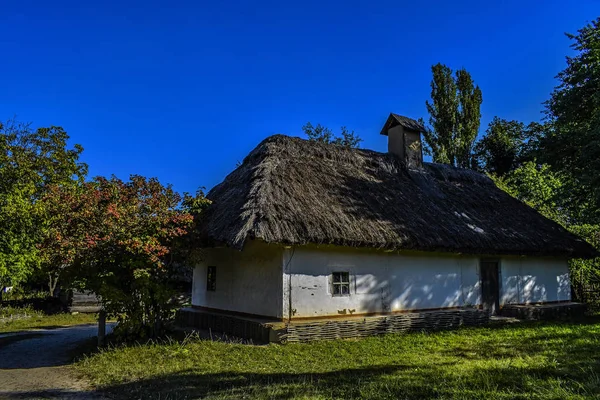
585 274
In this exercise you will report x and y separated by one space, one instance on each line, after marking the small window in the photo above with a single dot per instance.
211 279
341 284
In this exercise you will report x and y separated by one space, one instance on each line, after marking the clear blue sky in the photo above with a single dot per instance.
184 90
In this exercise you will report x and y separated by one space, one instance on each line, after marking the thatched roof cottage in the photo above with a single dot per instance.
304 230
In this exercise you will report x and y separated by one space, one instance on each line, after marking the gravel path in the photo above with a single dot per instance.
34 364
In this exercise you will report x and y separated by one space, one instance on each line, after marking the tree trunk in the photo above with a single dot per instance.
52 282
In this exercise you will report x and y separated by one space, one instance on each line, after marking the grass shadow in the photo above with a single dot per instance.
375 382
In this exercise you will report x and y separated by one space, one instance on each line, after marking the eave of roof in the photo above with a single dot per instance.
407 123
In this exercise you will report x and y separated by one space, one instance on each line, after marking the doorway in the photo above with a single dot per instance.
490 288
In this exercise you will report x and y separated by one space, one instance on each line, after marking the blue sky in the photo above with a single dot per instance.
184 90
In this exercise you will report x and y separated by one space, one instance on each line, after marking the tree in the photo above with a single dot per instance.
506 145
585 274
442 115
121 240
323 134
454 116
498 151
468 117
573 145
30 162
537 186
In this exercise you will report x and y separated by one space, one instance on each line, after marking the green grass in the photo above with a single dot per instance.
37 319
519 361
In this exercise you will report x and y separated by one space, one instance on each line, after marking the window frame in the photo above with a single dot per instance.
341 283
211 278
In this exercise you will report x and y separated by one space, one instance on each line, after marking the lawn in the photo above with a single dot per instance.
36 319
524 360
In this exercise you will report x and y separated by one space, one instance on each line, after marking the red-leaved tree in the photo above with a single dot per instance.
122 241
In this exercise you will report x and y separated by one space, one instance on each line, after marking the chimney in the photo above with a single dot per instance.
404 139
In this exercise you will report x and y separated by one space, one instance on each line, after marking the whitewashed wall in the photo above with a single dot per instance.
534 280
249 281
260 279
380 282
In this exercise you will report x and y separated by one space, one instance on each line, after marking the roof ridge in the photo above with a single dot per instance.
433 165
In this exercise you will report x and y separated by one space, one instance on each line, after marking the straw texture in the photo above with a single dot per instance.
293 191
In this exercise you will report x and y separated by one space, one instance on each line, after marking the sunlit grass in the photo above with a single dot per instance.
526 360
19 319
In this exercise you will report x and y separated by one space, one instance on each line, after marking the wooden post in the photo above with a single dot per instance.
101 327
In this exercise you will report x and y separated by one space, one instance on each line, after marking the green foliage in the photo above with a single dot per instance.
30 161
499 150
518 361
585 274
120 240
442 115
573 146
537 186
10 311
195 204
323 134
454 116
468 118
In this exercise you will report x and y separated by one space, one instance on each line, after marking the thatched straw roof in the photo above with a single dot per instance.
293 191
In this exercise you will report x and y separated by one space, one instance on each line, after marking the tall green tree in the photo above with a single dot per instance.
323 134
573 145
468 117
31 160
442 115
454 116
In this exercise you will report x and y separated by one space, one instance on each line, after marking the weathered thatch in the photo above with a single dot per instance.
293 191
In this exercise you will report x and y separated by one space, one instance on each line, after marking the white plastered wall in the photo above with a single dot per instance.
247 281
380 282
534 280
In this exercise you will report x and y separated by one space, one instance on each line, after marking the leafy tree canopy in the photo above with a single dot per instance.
323 134
538 187
30 161
121 240
507 144
573 145
497 152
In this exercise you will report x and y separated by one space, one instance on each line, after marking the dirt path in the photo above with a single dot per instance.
34 364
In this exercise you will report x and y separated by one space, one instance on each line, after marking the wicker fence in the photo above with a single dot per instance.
306 331
379 325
